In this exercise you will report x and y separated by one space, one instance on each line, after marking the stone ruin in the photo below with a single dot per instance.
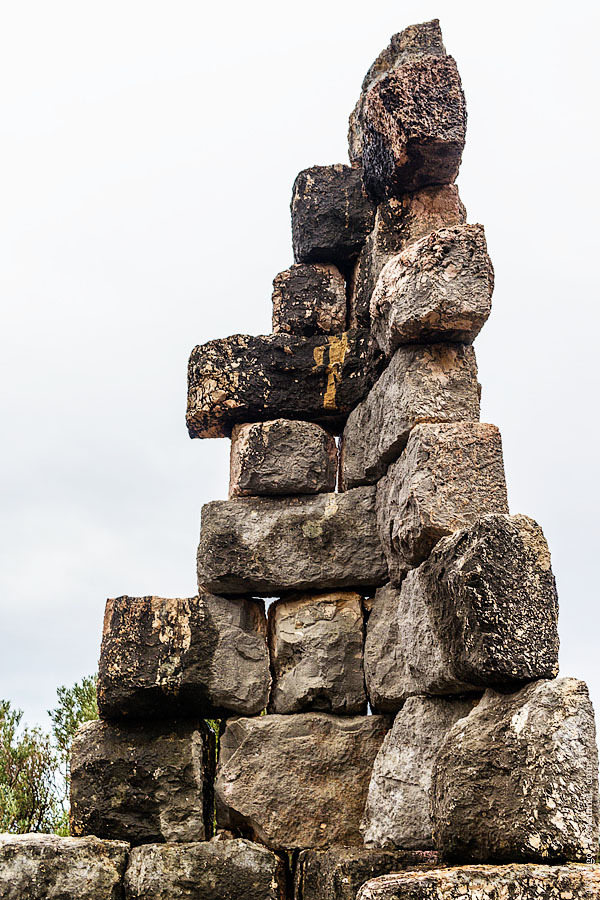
393 727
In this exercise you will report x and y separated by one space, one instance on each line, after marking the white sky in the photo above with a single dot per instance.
147 156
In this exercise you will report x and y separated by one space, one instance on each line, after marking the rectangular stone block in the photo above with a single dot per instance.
204 656
432 383
243 379
448 476
143 782
267 546
281 457
309 299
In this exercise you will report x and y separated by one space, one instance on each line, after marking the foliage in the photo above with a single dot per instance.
76 705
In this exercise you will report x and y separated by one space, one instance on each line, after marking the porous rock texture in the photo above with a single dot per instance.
429 383
397 808
144 782
298 781
316 644
281 457
517 779
48 867
448 476
309 299
213 870
331 215
244 379
438 289
268 545
204 656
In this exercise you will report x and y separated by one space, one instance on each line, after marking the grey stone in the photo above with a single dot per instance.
142 782
204 656
397 808
309 299
517 779
269 545
299 781
448 476
316 644
438 289
281 457
431 383
48 867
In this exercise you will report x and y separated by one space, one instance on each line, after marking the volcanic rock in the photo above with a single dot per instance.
309 299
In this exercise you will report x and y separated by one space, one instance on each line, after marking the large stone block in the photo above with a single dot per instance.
144 782
448 476
309 299
331 215
482 611
438 289
267 546
431 383
297 782
517 779
253 379
203 657
48 867
214 870
397 808
281 457
316 643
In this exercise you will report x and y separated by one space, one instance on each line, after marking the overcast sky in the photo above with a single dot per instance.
147 156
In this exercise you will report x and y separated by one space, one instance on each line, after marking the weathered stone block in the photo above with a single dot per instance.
266 546
252 379
309 299
316 643
482 611
397 808
448 476
281 457
144 782
297 782
214 870
517 779
331 215
430 383
48 867
438 289
204 656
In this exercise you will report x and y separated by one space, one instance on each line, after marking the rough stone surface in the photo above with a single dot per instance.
203 656
438 289
309 299
397 808
142 783
316 644
297 782
244 379
338 874
48 867
510 882
448 476
214 870
266 545
281 457
399 222
517 779
331 215
430 383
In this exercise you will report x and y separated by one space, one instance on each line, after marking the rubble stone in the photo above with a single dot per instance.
309 299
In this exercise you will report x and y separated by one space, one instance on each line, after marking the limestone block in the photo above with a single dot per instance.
142 782
298 781
429 383
438 289
309 299
517 779
204 656
269 545
316 643
281 457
